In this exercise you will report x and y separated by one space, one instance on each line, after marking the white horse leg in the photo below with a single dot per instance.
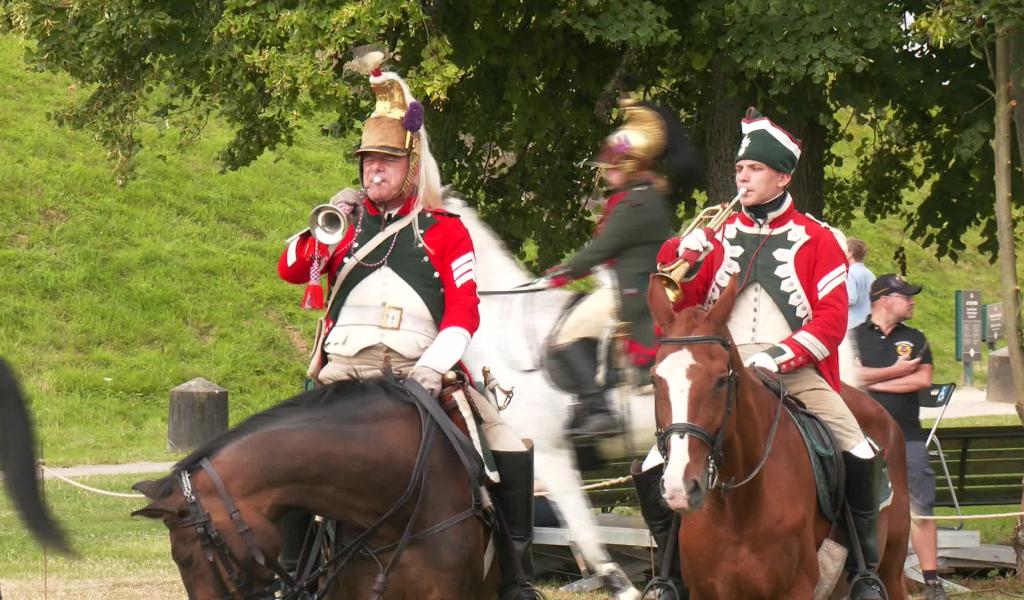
557 472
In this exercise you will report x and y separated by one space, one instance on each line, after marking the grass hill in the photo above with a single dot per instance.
111 296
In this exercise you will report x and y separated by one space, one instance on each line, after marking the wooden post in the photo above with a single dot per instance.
198 413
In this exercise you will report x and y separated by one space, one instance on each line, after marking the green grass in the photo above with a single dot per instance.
113 295
121 552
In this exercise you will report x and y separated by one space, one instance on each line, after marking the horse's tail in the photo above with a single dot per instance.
17 461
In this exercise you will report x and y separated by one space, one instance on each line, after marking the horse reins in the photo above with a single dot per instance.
714 442
216 550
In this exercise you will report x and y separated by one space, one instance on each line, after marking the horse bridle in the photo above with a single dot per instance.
241 579
215 548
715 441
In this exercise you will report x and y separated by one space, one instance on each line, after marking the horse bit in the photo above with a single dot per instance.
714 442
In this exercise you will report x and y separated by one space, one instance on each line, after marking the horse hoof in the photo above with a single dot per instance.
617 583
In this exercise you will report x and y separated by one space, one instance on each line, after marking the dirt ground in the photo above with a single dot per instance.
92 590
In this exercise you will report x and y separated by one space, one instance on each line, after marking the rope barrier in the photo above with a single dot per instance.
607 483
965 517
87 488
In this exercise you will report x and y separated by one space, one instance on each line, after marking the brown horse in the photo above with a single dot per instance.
362 453
18 464
760 539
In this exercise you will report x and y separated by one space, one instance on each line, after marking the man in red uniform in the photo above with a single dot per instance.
789 318
404 292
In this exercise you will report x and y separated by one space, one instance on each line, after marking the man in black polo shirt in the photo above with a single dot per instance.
895 364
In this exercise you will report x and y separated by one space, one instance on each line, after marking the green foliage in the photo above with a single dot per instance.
112 295
519 94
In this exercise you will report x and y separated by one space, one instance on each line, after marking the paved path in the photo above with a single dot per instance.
970 402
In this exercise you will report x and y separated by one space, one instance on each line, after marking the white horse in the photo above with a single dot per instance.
509 341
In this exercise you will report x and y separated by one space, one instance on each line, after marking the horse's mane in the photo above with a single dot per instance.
313 406
326 404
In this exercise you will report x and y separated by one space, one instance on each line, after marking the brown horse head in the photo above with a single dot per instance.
346 452
694 378
213 558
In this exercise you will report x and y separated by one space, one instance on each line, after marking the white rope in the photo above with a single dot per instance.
965 517
88 488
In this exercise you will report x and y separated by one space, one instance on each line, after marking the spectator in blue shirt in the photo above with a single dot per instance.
858 283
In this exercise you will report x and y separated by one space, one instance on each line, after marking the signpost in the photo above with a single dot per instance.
968 331
992 324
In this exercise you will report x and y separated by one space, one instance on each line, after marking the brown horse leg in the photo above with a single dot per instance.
893 558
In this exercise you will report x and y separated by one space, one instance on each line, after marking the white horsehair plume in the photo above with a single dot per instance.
365 60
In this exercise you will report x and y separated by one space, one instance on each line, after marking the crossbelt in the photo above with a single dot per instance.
386 316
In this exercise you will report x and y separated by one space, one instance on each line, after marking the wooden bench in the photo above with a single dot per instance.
985 465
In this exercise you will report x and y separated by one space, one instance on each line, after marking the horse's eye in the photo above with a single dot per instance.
721 382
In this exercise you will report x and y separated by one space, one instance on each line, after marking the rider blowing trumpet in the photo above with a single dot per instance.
789 318
404 295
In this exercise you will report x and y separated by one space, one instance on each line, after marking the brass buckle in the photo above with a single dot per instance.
392 317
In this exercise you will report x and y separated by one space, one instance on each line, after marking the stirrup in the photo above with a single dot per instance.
524 591
871 579
658 587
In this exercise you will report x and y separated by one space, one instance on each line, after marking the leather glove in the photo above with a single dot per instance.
558 276
696 245
763 360
428 378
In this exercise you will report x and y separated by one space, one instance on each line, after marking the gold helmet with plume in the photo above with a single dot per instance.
638 143
396 125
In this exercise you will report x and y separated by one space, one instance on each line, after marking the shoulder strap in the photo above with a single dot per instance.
366 249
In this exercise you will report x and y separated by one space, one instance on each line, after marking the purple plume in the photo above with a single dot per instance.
413 119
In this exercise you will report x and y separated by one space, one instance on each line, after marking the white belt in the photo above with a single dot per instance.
386 316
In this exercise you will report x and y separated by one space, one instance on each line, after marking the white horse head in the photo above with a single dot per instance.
511 337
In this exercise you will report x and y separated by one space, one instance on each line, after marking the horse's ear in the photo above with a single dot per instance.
146 488
152 511
718 316
659 304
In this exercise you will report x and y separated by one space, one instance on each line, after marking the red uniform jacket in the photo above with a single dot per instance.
814 263
448 247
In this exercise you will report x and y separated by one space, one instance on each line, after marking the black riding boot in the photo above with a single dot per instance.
862 491
514 500
573 368
658 517
296 529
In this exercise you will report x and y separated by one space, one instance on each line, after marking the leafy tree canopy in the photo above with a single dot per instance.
520 94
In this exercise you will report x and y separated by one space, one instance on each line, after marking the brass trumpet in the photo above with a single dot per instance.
328 224
713 217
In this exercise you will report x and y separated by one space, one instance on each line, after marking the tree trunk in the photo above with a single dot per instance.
1017 89
808 187
1004 217
1009 93
722 135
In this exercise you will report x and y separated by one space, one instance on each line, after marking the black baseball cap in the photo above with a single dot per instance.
891 283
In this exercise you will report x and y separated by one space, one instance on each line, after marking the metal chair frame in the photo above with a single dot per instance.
939 396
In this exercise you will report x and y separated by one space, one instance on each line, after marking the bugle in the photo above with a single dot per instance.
328 224
713 217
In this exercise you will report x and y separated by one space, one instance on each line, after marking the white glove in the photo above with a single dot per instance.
347 199
763 360
428 378
697 242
